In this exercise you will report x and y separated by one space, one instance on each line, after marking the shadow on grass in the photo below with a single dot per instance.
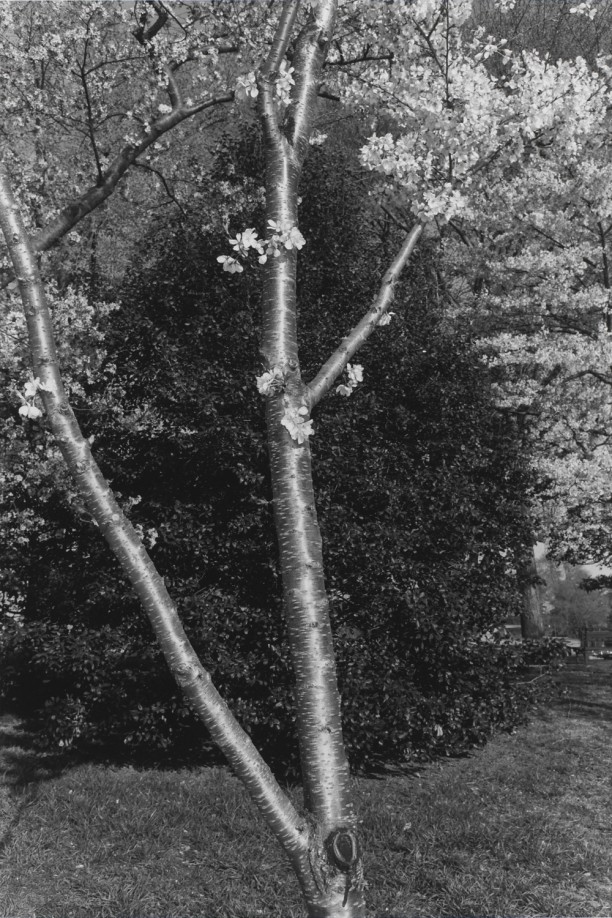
22 762
578 706
26 759
586 692
26 765
22 769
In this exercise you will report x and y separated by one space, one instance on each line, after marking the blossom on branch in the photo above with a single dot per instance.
386 319
317 139
355 376
246 87
31 388
30 411
271 381
230 264
295 421
245 241
584 9
284 82
283 237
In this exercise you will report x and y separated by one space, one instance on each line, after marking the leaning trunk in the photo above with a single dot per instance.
300 840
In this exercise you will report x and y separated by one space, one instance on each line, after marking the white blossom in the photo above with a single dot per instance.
294 239
317 139
295 422
284 82
584 9
30 411
245 241
230 264
270 381
33 386
355 376
386 319
246 87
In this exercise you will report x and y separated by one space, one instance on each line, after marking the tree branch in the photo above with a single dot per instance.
74 212
361 59
162 178
606 273
311 48
602 377
145 37
394 218
325 94
331 370
461 234
282 37
195 681
268 105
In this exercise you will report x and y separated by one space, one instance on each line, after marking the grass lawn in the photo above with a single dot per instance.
521 828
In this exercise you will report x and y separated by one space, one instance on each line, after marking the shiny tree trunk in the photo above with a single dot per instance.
325 771
322 843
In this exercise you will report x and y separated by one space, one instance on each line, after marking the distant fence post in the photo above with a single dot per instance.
584 644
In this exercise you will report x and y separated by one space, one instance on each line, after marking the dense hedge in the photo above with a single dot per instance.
420 489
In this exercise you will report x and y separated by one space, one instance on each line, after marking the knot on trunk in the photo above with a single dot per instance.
342 848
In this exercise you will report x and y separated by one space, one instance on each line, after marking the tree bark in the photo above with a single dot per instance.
532 619
293 832
336 856
323 846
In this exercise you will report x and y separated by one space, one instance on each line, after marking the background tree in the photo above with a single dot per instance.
500 150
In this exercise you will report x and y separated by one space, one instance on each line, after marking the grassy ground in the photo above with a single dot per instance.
521 828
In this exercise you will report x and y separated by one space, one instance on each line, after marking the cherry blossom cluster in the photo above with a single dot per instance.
246 85
297 423
515 160
317 139
457 121
584 9
355 376
271 381
282 237
295 419
28 409
385 319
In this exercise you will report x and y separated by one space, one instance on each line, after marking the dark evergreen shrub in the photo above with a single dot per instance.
420 488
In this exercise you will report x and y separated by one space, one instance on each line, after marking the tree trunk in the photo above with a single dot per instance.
296 835
323 846
532 619
335 857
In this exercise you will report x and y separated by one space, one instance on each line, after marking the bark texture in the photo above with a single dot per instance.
323 845
532 617
291 829
335 855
